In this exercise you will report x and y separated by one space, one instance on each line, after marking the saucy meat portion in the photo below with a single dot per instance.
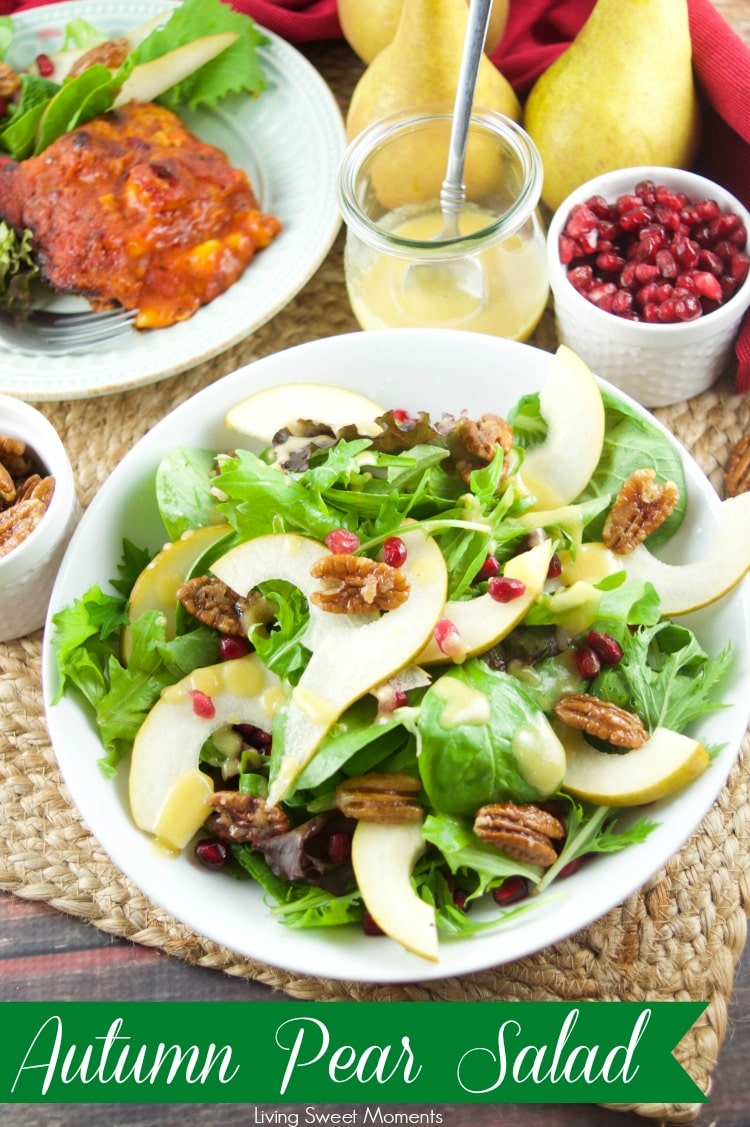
132 209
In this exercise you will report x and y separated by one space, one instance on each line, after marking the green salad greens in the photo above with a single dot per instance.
455 736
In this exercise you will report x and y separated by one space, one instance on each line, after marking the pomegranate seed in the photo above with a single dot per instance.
581 221
608 231
707 285
626 203
686 252
651 313
622 302
389 699
511 890
587 662
714 260
599 206
609 262
555 567
684 283
255 737
404 419
394 551
604 290
739 267
504 589
582 277
668 311
213 854
688 308
571 867
231 647
724 225
606 648
645 272
628 279
728 289
448 638
666 263
460 896
707 210
646 189
342 542
667 216
203 706
339 847
670 197
689 216
637 218
489 569
605 302
739 236
45 66
369 926
663 291
567 249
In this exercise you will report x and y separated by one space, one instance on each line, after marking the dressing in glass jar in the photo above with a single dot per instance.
492 278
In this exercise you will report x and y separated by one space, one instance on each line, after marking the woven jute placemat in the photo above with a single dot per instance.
679 938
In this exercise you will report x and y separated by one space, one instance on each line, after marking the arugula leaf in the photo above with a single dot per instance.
96 616
463 850
664 676
183 489
134 560
281 649
592 829
236 70
80 33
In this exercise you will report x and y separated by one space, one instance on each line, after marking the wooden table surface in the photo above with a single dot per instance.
46 956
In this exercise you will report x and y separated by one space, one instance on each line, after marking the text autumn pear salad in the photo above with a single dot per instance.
396 664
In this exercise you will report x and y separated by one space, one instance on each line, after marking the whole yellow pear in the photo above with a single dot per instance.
370 25
419 70
622 94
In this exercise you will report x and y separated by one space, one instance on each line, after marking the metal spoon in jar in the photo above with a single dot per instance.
461 274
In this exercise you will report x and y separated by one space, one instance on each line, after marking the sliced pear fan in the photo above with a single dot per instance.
350 654
168 792
666 763
686 587
383 858
266 412
482 622
558 469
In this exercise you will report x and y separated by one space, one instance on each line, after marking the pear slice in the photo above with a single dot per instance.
168 791
350 653
483 621
383 858
156 586
686 587
266 412
559 468
148 80
666 763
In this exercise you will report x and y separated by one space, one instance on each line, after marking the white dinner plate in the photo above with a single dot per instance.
289 140
435 370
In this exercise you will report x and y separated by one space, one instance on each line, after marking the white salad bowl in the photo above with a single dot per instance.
435 370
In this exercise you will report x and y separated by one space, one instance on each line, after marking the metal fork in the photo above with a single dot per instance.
60 333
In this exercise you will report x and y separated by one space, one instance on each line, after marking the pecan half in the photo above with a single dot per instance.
356 585
18 521
601 718
245 818
478 441
525 833
212 602
641 506
111 53
10 83
737 478
7 485
385 797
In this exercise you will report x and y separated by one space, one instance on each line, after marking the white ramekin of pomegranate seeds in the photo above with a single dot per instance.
649 273
38 513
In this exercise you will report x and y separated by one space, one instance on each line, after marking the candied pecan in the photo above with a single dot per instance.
245 818
601 718
7 485
110 54
14 456
10 83
18 521
477 442
356 584
641 506
386 797
212 602
524 832
738 468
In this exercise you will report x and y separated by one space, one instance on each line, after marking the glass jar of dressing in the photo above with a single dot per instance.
492 278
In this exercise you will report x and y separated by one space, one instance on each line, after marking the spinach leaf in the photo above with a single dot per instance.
463 850
355 730
471 724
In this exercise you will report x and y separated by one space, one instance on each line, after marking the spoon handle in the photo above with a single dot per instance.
453 191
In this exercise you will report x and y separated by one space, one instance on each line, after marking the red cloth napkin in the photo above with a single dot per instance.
537 32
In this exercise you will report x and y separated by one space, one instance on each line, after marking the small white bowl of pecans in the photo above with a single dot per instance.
38 512
649 270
